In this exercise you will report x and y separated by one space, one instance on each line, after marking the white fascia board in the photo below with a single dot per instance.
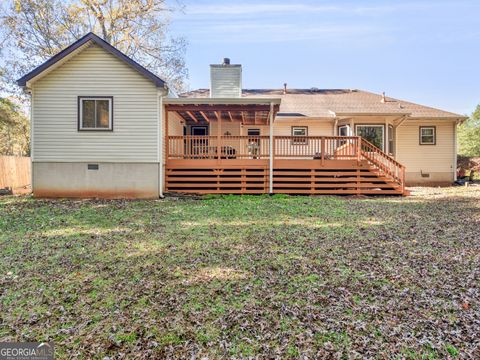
222 101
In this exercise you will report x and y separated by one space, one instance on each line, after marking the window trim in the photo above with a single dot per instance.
254 129
391 133
207 130
346 126
374 125
80 112
294 137
420 142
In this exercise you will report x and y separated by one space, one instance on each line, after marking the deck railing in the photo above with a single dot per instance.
209 147
316 147
383 162
257 147
285 147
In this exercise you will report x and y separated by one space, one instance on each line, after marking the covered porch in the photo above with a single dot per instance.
230 146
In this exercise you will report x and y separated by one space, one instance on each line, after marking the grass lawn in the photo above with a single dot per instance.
244 276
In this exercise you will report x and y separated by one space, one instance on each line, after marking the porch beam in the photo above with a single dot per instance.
399 121
243 117
191 116
174 107
166 135
205 117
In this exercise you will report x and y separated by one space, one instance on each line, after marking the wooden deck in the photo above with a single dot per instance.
310 165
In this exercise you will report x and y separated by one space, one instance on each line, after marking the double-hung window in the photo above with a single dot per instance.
95 113
427 135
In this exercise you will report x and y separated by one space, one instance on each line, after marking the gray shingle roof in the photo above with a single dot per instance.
322 102
91 37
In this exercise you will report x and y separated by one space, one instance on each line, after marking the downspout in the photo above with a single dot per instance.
160 142
455 150
31 139
270 158
335 123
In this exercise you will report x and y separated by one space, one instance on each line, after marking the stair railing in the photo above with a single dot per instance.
384 162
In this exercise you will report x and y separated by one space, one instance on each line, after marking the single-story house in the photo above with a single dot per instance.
105 126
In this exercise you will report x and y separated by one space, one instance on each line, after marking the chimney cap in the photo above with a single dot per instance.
226 61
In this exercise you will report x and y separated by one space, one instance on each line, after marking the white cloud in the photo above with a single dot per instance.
255 9
244 31
266 8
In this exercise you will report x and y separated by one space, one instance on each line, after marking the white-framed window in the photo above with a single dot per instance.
299 134
375 134
428 135
95 113
344 130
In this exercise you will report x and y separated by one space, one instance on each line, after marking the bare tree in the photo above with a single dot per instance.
34 30
14 129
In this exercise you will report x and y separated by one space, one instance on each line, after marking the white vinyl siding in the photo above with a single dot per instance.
94 72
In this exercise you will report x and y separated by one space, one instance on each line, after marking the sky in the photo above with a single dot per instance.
425 51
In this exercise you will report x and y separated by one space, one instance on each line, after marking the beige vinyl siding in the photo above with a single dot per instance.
437 158
94 72
283 127
233 127
264 129
175 124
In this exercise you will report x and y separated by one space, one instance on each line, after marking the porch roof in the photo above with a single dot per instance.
255 111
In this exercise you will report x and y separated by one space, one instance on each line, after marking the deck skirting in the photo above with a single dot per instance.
290 176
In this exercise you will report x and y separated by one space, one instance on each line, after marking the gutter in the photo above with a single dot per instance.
223 101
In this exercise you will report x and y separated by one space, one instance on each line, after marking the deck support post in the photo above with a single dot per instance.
359 149
271 152
323 151
219 132
167 143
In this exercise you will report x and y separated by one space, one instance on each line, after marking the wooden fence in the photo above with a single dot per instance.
15 172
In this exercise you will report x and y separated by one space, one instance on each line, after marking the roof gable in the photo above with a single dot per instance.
90 37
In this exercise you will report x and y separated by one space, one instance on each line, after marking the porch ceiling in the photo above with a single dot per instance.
247 113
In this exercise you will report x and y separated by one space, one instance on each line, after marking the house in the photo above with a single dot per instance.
104 126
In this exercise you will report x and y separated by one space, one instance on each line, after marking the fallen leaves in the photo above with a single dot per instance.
244 277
